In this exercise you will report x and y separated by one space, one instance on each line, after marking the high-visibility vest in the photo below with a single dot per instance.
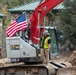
45 46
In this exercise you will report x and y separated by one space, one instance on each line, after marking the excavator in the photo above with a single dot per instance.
24 56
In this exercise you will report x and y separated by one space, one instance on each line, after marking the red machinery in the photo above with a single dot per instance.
38 15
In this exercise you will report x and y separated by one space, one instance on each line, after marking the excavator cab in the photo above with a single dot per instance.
54 50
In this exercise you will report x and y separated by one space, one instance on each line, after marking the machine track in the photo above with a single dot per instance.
53 68
23 70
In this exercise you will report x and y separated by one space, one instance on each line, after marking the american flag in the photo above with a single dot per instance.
17 25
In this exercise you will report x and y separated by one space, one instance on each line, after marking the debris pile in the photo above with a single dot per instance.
72 59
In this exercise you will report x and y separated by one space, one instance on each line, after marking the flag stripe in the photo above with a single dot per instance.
12 33
11 28
14 26
16 29
17 25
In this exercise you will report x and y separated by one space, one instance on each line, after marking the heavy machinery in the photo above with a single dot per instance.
20 50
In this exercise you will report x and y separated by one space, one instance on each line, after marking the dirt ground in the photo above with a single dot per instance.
72 58
69 56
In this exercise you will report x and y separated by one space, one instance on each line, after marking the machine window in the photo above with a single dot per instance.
14 47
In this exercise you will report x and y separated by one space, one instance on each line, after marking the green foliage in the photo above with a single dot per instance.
68 19
7 4
14 3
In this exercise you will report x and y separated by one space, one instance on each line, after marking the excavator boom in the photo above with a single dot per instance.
43 8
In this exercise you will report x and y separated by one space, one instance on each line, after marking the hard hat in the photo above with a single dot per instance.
46 32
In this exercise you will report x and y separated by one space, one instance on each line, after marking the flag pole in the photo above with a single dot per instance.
23 31
23 36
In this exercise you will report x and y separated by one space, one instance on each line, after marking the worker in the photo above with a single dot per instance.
45 47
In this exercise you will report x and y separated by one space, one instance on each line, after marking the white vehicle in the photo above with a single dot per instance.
18 50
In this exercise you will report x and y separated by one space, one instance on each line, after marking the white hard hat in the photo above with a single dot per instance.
46 32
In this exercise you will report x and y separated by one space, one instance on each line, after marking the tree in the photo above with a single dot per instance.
68 20
14 3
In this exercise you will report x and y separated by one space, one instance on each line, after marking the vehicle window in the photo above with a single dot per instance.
14 47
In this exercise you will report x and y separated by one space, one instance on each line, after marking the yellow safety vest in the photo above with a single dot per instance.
45 46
